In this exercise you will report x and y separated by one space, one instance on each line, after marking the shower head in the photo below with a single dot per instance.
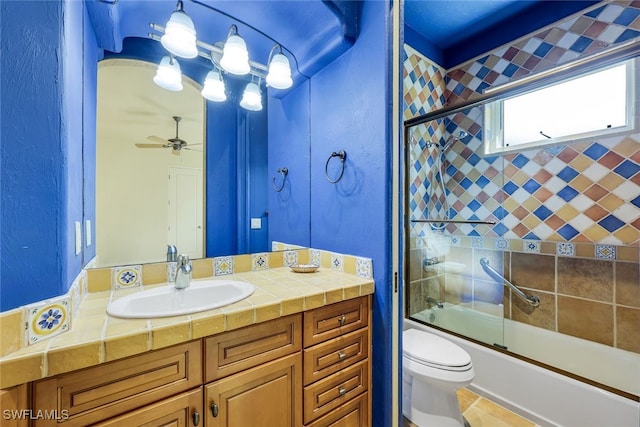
454 138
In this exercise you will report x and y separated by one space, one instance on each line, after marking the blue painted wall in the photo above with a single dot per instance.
350 110
289 148
43 130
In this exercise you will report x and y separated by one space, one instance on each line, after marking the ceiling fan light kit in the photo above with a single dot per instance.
179 38
176 144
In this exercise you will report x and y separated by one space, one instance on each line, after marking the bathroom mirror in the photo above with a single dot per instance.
143 188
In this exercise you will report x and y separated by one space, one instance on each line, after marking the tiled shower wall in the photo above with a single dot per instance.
568 213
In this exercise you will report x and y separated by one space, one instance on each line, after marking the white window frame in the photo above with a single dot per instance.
493 133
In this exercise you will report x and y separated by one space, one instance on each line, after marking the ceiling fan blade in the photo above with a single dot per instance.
191 149
191 145
158 140
151 145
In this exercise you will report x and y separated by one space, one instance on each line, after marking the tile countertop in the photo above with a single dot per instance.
96 337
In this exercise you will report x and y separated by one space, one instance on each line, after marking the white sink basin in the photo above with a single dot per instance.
169 301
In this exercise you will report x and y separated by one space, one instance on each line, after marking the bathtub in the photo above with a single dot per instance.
543 396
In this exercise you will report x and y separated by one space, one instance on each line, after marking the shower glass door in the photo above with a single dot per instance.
453 209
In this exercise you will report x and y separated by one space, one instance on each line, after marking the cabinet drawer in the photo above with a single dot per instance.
355 413
183 410
268 395
97 393
329 393
332 320
338 353
245 348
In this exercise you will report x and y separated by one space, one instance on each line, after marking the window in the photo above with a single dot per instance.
599 103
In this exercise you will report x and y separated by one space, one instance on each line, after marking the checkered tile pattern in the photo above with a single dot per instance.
586 192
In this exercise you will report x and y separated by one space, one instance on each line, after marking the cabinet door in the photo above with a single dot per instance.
14 403
268 396
183 410
352 414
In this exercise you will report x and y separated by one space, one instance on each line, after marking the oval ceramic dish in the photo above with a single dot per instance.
304 268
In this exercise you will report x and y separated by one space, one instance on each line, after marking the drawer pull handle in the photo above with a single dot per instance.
196 418
214 410
342 320
341 355
342 391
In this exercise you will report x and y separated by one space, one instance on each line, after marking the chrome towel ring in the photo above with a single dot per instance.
284 172
343 156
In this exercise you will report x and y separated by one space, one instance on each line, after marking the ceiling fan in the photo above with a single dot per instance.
176 144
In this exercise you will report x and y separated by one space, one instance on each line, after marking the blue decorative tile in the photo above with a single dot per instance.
566 249
47 319
627 169
337 262
502 245
455 241
364 268
636 202
605 252
567 174
610 223
260 261
567 232
595 151
531 186
542 212
474 205
581 44
567 193
510 188
477 242
315 256
627 17
628 34
519 161
290 258
531 246
482 182
127 277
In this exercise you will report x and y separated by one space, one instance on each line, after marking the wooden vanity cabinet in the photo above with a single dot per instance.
337 372
257 375
305 369
95 394
14 403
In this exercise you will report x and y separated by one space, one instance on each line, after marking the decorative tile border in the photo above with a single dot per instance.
290 258
47 319
260 261
364 268
566 249
126 277
605 252
337 262
223 266
531 246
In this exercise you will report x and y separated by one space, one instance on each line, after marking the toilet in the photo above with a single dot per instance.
432 370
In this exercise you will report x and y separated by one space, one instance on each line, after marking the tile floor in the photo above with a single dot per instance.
481 412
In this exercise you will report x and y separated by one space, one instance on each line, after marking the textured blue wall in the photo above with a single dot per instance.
47 118
350 110
289 147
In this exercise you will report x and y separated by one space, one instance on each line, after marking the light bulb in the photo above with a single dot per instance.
235 58
168 75
180 35
251 98
213 88
279 75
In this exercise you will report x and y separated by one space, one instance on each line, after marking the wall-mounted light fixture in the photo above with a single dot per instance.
179 38
168 75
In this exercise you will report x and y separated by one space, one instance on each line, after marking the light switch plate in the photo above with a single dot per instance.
256 223
78 237
87 232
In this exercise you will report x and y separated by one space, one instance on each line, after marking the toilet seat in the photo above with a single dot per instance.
431 350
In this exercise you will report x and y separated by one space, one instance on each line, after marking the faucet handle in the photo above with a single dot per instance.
183 259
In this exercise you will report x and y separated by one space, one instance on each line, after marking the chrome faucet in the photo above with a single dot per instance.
183 274
432 301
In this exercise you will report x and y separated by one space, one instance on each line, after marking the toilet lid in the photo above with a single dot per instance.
432 350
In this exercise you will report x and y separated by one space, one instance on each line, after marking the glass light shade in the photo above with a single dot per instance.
251 98
235 58
213 89
180 36
279 75
168 75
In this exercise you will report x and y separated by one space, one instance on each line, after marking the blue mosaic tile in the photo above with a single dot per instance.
473 160
567 232
581 44
474 205
627 169
636 202
610 223
417 166
482 87
531 236
500 212
595 151
466 183
627 35
459 89
542 212
595 12
567 174
520 161
451 170
627 17
500 229
490 159
510 188
482 73
510 70
567 193
543 49
483 181
531 186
